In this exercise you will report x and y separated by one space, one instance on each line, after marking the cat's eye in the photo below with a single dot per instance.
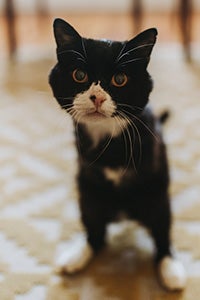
80 76
119 80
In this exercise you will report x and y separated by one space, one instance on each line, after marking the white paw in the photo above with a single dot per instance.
172 274
75 258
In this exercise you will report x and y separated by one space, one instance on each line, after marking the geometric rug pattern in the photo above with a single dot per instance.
38 204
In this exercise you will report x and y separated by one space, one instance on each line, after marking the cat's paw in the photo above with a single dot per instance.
172 274
75 258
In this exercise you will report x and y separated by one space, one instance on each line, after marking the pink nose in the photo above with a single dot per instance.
97 100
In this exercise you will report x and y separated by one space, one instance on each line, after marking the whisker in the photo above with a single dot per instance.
122 130
84 49
140 143
72 51
139 139
78 140
144 124
76 115
130 106
132 60
81 59
67 105
104 148
130 140
70 111
126 146
64 98
132 50
121 51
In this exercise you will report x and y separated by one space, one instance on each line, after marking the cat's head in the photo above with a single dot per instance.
98 79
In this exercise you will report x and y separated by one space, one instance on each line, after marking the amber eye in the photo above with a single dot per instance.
119 79
80 76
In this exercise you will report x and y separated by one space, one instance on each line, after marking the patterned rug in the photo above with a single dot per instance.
39 212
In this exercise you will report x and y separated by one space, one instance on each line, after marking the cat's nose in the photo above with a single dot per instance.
97 100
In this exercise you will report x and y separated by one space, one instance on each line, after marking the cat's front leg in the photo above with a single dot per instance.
170 271
96 205
81 248
95 225
76 256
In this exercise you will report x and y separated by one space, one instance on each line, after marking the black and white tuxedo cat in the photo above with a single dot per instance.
104 85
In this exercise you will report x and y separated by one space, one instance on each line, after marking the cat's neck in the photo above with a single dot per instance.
110 127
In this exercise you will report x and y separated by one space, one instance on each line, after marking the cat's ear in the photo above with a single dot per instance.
140 47
64 33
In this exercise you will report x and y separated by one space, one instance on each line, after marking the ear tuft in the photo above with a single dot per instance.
148 36
140 47
64 33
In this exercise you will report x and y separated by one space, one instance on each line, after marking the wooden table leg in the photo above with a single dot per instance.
185 13
137 13
11 33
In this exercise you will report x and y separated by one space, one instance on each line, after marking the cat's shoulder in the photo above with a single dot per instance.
148 114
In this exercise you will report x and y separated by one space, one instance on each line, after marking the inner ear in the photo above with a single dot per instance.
64 33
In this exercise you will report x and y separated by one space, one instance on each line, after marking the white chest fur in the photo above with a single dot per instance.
116 176
108 127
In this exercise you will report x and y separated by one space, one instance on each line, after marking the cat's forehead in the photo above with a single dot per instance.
102 49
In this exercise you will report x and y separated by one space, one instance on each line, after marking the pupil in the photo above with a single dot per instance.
119 78
80 75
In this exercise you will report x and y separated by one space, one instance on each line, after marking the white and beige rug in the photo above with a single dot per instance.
38 200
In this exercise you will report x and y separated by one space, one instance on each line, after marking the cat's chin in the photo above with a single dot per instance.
95 117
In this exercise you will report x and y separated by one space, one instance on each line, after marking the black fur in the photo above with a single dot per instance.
143 194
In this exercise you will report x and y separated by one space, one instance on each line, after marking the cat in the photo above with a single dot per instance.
104 85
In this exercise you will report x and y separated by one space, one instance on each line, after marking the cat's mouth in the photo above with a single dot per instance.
96 115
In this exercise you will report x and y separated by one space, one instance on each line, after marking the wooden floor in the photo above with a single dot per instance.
31 30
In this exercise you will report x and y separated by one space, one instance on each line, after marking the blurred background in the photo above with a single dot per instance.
38 199
28 23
